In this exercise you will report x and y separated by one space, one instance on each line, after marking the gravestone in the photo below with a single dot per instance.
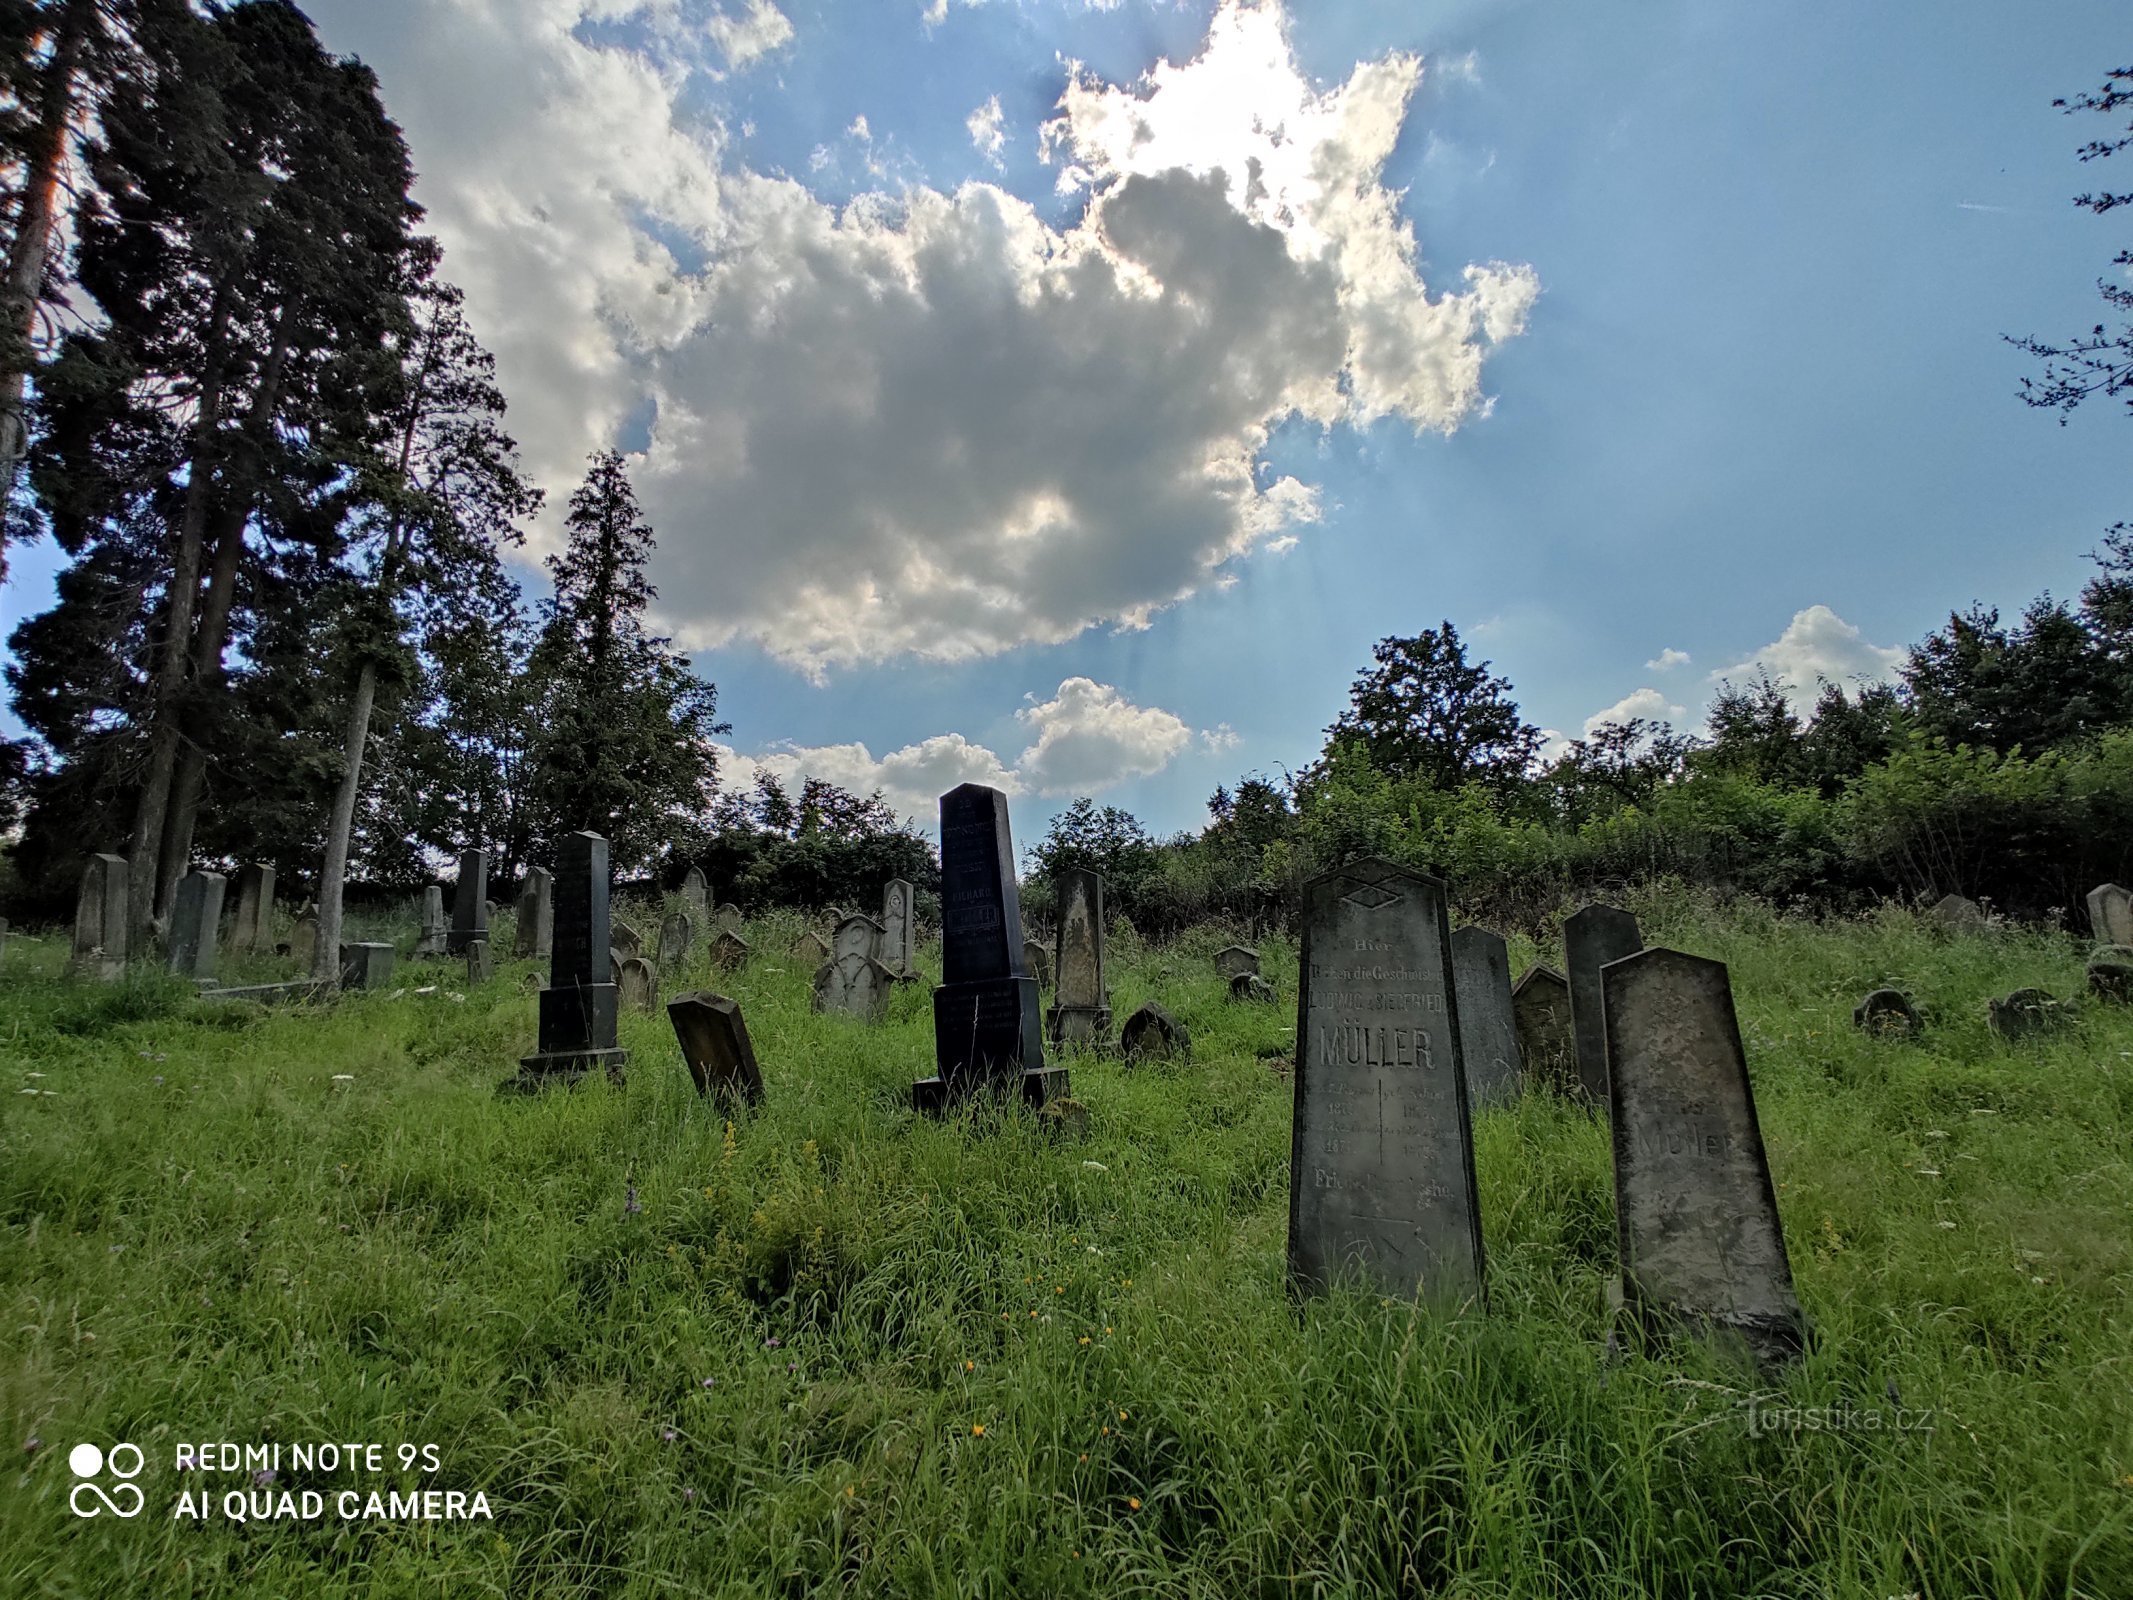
1887 1014
430 942
637 985
367 966
1488 1038
253 926
810 948
195 921
303 939
535 916
100 919
714 1043
1081 1005
1037 962
728 917
729 951
578 1009
1593 937
2110 973
1696 1216
696 897
836 915
1956 914
480 967
899 922
1153 1034
1547 1043
986 1026
1382 1160
623 936
676 934
2024 1012
851 982
1250 988
2111 914
470 902
1234 959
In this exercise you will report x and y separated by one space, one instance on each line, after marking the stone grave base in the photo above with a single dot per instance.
933 1096
1770 1341
1089 1026
565 1066
268 994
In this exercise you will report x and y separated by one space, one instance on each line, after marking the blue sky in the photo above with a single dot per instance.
1109 484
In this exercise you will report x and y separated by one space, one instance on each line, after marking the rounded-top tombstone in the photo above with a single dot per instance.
1153 1034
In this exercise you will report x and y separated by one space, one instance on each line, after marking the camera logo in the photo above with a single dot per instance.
88 1461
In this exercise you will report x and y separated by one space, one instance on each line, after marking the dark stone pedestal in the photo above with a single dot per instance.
570 1018
987 1038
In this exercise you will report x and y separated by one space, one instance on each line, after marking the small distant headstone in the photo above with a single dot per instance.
638 984
2110 973
577 1010
1887 1014
1382 1160
480 968
729 951
676 934
367 966
2024 1012
899 923
1547 1043
253 926
1153 1034
2111 914
1488 1038
1695 1211
851 982
303 939
1593 937
1234 959
1956 914
810 949
430 942
624 937
696 896
1251 988
1036 962
470 902
100 929
728 917
836 915
715 1044
535 933
195 921
1081 1004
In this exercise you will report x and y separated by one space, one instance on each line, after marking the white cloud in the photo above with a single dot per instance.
758 31
988 131
1816 645
1647 703
934 424
1666 660
1220 737
1089 736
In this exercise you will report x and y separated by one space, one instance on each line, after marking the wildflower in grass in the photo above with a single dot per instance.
1033 1312
668 1435
773 1343
688 1493
970 1366
1125 1283
33 1444
1084 1458
792 1366
1107 1333
263 1478
849 1491
1122 1416
630 1206
1106 1430
1132 1504
1059 1288
186 1459
1084 1338
977 1430
710 1383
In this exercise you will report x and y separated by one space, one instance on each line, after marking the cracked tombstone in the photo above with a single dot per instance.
1488 1038
470 902
1081 1005
100 928
1547 1044
715 1044
534 933
1382 1167
195 921
577 1010
1592 938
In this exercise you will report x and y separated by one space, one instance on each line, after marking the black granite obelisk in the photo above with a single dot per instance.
578 1006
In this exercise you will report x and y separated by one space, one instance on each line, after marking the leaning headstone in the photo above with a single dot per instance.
728 917
714 1042
696 896
1250 988
1696 1216
2024 1012
638 986
899 923
480 967
577 1008
253 926
430 942
1957 914
2111 914
1037 962
1153 1034
624 937
195 922
1547 1043
1488 1039
303 939
1382 1165
1593 937
1887 1014
535 916
676 934
1234 959
470 902
367 966
729 951
986 1027
810 949
1081 1005
100 918
2110 973
851 982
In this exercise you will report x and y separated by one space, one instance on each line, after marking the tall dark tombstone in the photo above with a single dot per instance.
1488 1041
1695 1213
986 1026
195 924
1547 1044
1081 1003
470 902
534 934
578 1007
715 1044
1381 1184
1592 938
100 925
253 926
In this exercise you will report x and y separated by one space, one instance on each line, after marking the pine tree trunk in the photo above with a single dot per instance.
326 964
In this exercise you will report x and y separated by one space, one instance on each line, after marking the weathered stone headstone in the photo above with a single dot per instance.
1234 959
851 981
577 1008
1547 1043
1696 1216
1382 1163
729 951
1592 938
1153 1034
100 918
253 926
899 925
534 934
986 1027
836 915
1956 914
1488 1039
727 917
480 966
638 985
367 966
303 939
624 937
2024 1012
810 948
676 935
2111 914
1250 988
715 1044
1081 1004
696 896
1887 1014
1037 962
430 942
2110 973
470 902
195 923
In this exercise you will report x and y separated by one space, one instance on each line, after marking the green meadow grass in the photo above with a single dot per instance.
682 1355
